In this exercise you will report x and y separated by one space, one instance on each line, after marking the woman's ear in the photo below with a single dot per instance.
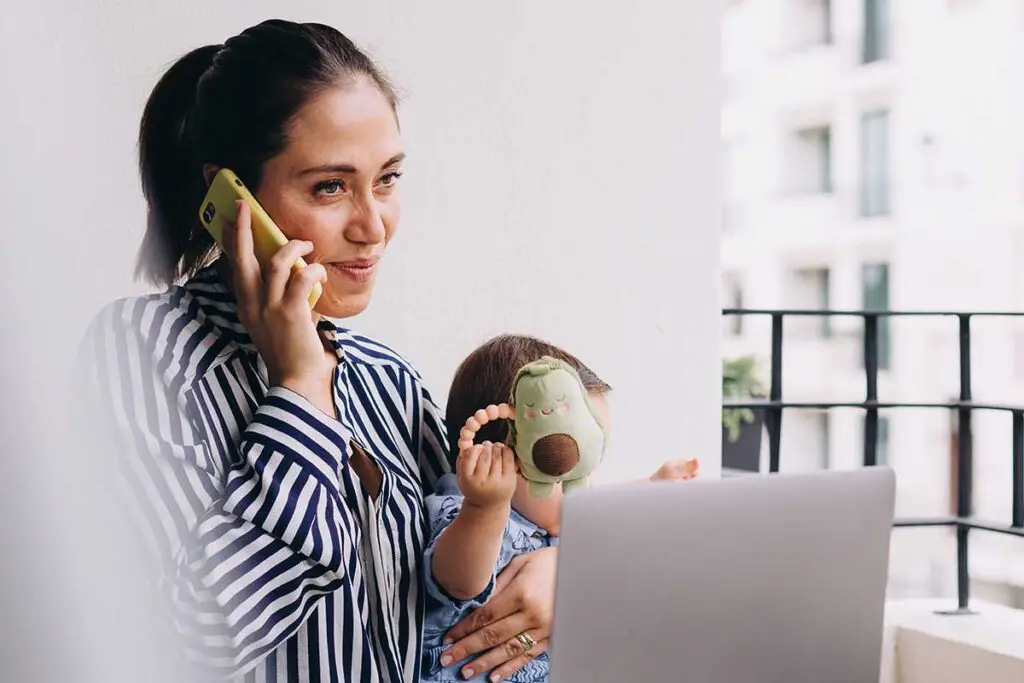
209 170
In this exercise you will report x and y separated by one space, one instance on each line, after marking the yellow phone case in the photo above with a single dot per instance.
219 206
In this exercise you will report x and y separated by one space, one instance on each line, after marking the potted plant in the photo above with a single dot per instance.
741 427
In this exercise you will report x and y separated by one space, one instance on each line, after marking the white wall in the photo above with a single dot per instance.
563 182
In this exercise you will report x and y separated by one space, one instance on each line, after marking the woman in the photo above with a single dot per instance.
279 462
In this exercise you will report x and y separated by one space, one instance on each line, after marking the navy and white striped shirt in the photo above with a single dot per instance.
278 564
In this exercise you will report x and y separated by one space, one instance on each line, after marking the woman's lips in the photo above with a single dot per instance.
360 270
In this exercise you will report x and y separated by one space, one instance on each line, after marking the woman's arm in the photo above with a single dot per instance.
246 557
523 602
467 551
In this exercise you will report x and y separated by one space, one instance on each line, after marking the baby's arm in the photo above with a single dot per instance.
677 470
467 551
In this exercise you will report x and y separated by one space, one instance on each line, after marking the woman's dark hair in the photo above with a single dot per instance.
229 105
486 376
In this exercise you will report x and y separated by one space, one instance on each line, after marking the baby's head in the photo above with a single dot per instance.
485 378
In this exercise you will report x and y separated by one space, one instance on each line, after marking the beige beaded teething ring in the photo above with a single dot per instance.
479 419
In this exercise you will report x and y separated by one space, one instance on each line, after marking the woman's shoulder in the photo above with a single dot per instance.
172 330
139 318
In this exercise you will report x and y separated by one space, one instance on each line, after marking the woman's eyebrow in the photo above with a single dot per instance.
348 168
394 160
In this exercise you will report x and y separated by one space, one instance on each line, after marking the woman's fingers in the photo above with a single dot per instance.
244 266
279 270
498 607
301 284
506 654
256 286
503 670
487 638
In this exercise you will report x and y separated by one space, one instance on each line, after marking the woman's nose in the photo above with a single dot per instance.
367 225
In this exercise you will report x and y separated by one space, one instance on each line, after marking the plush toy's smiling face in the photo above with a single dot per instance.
545 396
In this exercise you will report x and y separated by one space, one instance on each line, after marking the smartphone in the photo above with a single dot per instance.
219 206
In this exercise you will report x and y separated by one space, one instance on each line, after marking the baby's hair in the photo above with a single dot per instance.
486 376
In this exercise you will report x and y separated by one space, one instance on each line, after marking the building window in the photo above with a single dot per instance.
874 163
809 161
810 23
876 30
807 289
824 285
875 297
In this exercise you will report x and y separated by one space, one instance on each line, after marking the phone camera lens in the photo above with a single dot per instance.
209 212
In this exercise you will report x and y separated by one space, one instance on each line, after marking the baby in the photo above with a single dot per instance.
483 516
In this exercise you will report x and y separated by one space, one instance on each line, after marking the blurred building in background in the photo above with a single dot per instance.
874 158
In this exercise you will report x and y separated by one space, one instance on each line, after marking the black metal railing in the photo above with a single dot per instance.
963 522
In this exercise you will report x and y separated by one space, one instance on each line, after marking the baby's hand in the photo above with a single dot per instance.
487 475
677 470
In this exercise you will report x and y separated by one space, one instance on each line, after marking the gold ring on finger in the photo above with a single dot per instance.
526 641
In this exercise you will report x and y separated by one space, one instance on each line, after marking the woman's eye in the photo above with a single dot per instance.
330 187
389 179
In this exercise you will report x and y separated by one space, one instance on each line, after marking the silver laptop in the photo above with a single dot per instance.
777 579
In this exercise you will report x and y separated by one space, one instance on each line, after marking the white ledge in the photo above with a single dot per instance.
922 646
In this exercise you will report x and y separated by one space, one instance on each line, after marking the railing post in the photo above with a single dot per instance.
965 470
773 417
1018 469
871 393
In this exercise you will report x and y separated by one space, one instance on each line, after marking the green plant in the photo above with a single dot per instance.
739 382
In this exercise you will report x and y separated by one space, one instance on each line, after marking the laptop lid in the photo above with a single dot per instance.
748 580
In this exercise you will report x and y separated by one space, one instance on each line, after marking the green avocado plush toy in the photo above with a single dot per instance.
555 432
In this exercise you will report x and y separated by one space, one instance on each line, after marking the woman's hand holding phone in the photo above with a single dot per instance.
273 304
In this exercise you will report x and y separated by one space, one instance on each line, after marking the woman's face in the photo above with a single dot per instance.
335 185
